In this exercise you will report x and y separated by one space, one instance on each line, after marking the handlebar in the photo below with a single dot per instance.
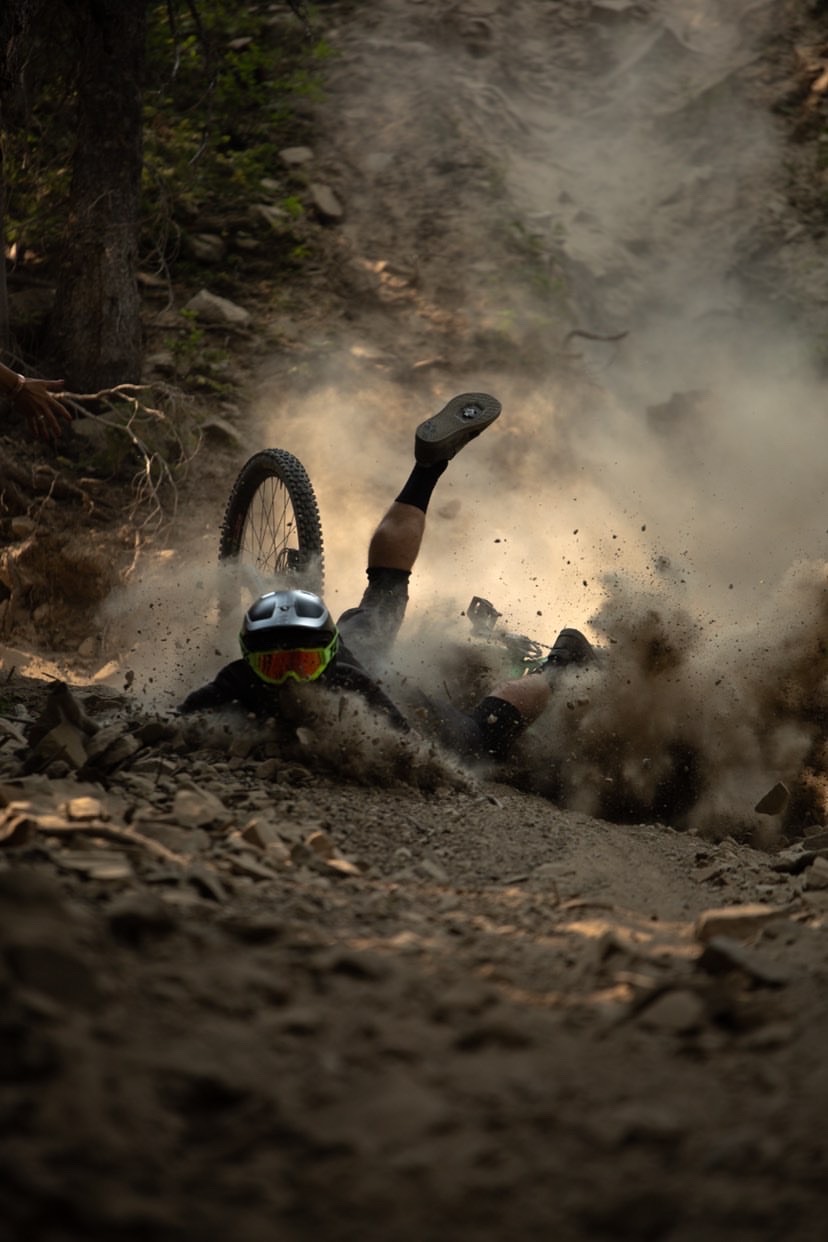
484 617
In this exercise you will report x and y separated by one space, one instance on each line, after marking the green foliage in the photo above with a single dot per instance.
190 348
223 98
228 83
293 206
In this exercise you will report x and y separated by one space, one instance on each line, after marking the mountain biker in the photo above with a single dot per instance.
289 635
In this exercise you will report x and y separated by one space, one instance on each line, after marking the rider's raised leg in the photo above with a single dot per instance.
371 628
396 542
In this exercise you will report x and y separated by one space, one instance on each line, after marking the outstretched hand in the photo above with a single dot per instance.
43 410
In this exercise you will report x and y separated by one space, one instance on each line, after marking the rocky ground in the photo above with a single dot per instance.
317 979
241 993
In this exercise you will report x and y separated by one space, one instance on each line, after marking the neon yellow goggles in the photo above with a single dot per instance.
300 664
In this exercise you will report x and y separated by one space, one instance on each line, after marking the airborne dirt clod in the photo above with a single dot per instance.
311 978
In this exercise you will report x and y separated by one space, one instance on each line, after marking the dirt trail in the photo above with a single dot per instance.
509 176
327 983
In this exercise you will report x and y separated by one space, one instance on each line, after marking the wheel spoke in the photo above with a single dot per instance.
270 530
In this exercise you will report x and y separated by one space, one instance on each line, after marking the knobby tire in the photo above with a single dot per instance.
272 524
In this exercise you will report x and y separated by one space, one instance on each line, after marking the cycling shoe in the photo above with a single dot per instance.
570 647
443 435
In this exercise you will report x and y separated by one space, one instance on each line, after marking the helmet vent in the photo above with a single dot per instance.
308 608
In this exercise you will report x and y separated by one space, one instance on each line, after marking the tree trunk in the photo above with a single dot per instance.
95 334
5 334
15 19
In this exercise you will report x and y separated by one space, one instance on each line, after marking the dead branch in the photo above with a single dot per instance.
155 473
115 832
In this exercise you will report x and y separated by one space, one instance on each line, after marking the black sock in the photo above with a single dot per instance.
420 484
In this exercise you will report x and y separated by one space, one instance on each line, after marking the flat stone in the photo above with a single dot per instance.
10 730
793 860
220 431
341 867
721 954
97 747
738 922
774 801
293 156
208 247
262 834
321 844
326 203
120 750
66 742
816 875
211 308
197 808
84 808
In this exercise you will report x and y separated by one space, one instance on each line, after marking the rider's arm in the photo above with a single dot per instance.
232 684
352 677
204 698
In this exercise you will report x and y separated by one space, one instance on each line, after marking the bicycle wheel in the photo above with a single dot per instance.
271 532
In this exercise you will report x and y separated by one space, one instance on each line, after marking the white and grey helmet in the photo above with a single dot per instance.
286 620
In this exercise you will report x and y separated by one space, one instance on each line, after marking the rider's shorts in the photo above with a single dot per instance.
369 630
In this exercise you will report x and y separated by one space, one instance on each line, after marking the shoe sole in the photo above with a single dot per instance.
571 647
463 419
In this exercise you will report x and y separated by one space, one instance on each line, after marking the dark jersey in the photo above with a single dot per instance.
488 731
237 683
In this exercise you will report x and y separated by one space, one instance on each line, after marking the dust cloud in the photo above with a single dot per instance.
619 173
170 628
